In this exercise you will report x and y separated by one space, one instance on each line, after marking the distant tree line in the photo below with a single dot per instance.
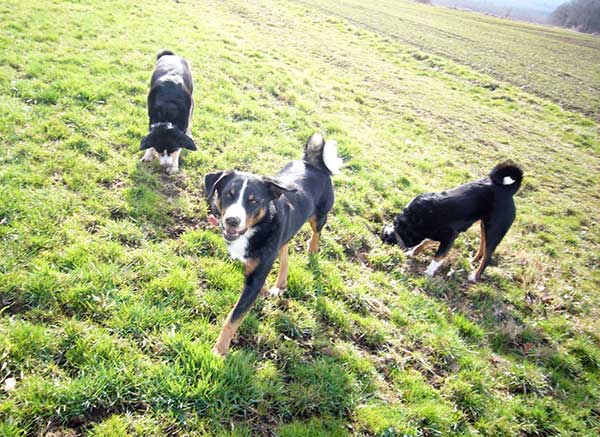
583 15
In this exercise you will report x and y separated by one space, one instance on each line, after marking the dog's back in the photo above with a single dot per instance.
170 98
172 68
467 203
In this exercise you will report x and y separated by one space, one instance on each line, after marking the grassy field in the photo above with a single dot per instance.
559 65
113 288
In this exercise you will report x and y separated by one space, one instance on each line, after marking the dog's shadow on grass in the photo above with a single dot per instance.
317 272
154 194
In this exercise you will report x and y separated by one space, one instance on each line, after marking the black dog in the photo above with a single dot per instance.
170 107
259 215
442 216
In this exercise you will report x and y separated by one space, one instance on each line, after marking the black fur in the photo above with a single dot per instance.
298 192
443 216
170 105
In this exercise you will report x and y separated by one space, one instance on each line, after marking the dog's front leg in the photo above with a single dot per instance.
174 162
148 155
255 276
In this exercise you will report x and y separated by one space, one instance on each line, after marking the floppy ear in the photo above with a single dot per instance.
213 180
277 188
187 143
145 144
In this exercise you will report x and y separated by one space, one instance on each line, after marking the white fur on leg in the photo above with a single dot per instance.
174 162
472 277
275 291
411 252
433 266
148 155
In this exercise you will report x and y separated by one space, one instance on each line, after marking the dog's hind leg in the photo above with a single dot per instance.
316 225
481 249
281 283
495 229
188 131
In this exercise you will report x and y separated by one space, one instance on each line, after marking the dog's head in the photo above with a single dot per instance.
400 232
241 200
166 138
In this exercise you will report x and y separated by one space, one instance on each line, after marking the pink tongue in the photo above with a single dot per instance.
213 220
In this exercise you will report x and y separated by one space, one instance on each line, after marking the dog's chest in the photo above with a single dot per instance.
238 249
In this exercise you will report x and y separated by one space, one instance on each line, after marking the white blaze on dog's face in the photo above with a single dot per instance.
240 200
234 215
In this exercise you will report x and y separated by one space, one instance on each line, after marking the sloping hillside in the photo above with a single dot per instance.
559 65
113 288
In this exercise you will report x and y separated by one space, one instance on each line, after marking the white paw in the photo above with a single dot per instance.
148 155
173 170
430 272
472 277
409 253
275 291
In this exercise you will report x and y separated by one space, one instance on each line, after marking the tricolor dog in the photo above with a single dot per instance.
170 107
443 216
259 215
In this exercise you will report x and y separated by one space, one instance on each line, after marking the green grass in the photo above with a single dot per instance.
113 288
560 65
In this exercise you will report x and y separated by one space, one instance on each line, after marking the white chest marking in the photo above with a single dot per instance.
508 180
237 249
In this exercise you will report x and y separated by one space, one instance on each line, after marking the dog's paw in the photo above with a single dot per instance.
473 277
409 253
173 170
275 291
146 158
430 272
219 351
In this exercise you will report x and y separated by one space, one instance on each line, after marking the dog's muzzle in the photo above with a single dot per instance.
388 234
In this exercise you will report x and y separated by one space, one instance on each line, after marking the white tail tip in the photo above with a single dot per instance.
330 157
508 180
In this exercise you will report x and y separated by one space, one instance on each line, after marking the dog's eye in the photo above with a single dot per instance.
229 194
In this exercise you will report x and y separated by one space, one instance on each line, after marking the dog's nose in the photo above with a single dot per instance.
232 221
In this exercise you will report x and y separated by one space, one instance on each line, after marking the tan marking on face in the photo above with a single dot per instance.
218 203
252 220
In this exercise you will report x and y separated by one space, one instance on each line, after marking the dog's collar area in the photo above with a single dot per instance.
165 124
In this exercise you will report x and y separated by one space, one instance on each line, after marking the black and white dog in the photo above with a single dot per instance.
259 215
170 107
443 216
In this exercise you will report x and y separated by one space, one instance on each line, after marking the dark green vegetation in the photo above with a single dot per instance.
583 15
112 289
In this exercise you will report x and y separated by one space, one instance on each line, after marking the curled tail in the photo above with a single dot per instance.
164 53
322 154
507 175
